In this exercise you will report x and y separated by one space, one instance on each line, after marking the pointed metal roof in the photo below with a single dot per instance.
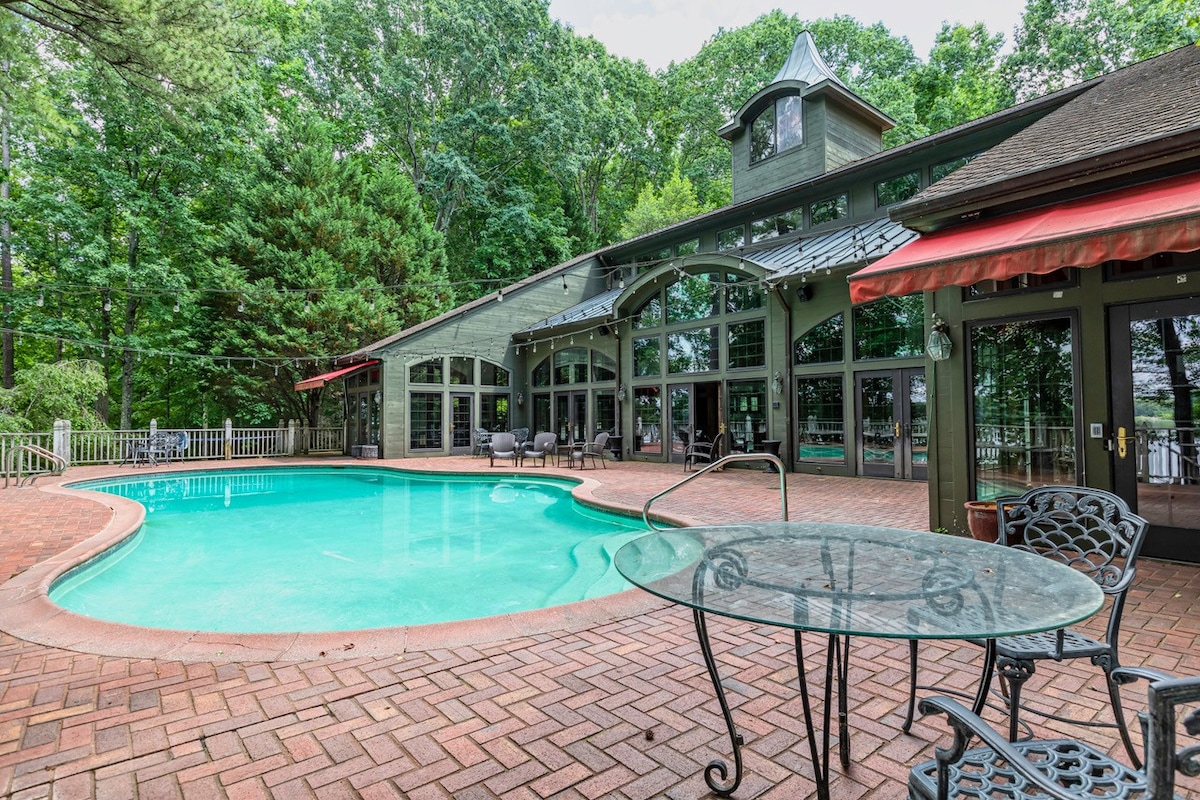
806 64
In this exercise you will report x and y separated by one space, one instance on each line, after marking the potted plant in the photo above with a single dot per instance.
982 520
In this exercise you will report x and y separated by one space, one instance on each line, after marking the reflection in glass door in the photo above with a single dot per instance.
1156 404
570 417
681 420
460 423
893 426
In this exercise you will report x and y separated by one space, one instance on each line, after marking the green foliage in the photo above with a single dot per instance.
658 209
45 392
963 80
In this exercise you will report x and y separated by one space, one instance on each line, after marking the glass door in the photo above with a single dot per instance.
681 428
892 424
570 417
460 423
1155 351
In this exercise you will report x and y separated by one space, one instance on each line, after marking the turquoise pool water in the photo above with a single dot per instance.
320 549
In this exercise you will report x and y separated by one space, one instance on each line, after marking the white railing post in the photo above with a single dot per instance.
153 427
62 440
228 439
291 437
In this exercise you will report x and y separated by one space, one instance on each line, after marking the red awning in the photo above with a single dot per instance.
321 380
1127 225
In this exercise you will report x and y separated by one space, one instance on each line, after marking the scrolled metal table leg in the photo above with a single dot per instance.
717 767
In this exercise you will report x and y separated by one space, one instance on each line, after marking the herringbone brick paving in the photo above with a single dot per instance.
619 709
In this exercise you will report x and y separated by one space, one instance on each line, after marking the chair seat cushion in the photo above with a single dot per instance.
1074 765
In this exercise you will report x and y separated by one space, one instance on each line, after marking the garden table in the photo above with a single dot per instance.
849 580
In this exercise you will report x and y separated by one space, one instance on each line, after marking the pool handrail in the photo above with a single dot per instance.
771 460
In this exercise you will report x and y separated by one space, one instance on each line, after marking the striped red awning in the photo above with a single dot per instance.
320 380
1126 225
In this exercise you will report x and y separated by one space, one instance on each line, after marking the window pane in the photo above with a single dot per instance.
541 413
606 412
823 344
688 247
748 414
940 171
742 294
649 315
462 370
890 328
821 435
426 372
692 351
692 297
425 420
1023 381
762 135
747 344
604 368
647 356
492 374
541 373
790 124
829 210
770 227
647 430
570 366
894 190
493 411
731 238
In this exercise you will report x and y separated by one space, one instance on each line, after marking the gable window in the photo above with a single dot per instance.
426 372
779 127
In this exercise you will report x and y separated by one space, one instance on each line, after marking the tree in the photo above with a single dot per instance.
1063 42
654 210
962 80
47 392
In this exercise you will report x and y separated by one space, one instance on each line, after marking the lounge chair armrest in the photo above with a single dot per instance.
966 726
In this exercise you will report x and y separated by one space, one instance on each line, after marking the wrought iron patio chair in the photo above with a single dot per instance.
482 441
585 450
543 445
1064 769
522 436
1090 530
699 452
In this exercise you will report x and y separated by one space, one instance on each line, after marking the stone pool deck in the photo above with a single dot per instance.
604 699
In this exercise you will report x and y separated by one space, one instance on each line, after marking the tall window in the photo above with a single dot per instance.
647 426
820 418
747 344
1023 383
748 414
425 421
779 127
692 297
692 351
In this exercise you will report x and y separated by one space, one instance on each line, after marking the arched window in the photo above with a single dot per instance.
779 127
822 343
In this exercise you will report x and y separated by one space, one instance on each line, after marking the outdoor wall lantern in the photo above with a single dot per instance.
621 393
777 383
939 345
520 399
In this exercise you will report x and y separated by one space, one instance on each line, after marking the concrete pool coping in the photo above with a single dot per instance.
27 612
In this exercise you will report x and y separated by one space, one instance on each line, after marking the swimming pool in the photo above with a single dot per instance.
328 549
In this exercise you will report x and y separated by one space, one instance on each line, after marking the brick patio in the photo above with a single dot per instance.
604 699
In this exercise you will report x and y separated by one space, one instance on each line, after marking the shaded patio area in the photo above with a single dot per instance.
610 700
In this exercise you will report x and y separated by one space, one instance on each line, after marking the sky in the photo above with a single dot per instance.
661 31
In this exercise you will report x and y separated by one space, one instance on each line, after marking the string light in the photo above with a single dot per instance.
241 305
41 301
107 303
176 309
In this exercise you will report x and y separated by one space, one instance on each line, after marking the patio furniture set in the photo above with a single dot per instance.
1063 553
515 446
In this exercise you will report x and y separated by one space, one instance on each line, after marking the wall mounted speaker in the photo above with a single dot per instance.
804 293
603 330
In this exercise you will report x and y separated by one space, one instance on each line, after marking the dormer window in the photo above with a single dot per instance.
779 127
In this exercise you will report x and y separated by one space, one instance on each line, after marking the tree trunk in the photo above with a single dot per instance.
6 276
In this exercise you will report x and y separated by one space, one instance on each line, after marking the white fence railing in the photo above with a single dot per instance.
203 444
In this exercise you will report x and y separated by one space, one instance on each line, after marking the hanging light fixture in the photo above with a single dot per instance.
938 346
565 289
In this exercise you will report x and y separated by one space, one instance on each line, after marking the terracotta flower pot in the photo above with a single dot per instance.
982 520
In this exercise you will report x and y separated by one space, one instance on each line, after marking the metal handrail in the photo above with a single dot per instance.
58 461
720 462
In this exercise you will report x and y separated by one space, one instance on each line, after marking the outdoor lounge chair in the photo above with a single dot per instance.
1090 530
699 452
504 445
544 444
593 450
1062 768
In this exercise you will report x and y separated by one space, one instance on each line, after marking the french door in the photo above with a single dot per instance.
570 416
1155 372
460 423
892 439
696 412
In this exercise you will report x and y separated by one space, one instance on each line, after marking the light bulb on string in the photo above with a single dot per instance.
41 301
241 305
107 303
176 309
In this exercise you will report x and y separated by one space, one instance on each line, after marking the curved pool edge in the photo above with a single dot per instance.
27 612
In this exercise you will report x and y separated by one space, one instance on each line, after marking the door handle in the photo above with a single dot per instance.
1122 438
896 429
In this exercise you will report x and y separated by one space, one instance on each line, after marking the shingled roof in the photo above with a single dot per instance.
1153 105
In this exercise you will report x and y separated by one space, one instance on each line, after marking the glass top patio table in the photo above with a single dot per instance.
860 580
